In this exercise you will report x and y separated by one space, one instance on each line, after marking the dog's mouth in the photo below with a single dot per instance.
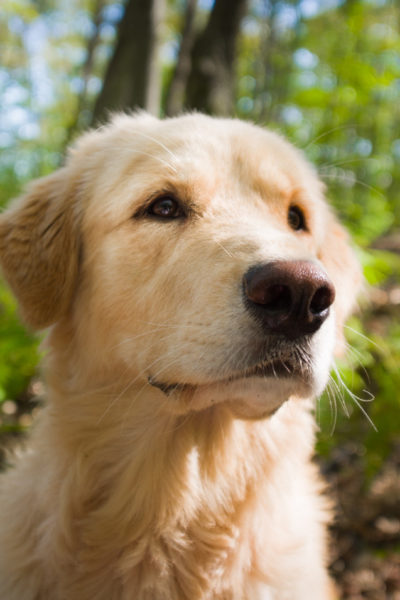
276 369
255 392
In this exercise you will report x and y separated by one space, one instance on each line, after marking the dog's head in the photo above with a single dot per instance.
194 255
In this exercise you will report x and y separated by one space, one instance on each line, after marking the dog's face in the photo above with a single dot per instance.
194 255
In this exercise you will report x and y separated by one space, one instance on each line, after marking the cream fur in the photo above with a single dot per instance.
207 493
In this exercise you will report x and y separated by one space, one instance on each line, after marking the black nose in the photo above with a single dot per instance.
290 298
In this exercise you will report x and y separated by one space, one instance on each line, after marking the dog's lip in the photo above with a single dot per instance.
277 369
167 388
274 368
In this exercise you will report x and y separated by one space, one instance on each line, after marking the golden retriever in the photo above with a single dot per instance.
195 284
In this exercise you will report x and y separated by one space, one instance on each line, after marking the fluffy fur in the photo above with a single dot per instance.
199 487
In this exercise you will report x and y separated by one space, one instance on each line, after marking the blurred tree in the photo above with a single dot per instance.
132 78
83 106
211 82
204 76
176 90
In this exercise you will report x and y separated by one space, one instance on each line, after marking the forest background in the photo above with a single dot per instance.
326 73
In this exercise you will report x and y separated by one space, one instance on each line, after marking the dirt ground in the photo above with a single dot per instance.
365 546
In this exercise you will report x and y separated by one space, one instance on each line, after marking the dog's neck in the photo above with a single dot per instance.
162 461
142 482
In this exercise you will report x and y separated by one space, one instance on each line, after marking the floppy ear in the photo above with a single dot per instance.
345 272
39 248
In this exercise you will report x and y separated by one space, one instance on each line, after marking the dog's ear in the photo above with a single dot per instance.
342 266
39 248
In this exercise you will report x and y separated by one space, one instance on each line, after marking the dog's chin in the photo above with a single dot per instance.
250 396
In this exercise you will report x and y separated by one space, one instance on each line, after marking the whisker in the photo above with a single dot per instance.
332 405
172 325
126 388
224 249
356 399
356 355
135 337
322 135
141 390
343 177
284 365
365 337
161 160
163 146
340 395
340 162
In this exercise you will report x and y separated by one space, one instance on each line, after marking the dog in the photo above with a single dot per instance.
194 286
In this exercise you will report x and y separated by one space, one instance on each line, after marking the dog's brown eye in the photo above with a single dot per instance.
296 219
165 208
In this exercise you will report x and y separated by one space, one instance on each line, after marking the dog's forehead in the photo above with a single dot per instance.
198 155
219 150
198 144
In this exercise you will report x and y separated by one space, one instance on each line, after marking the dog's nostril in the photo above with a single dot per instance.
278 299
322 299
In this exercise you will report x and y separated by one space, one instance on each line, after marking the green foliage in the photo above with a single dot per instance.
18 350
379 265
362 401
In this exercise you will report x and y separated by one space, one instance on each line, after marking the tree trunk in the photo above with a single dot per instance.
211 83
132 78
83 116
176 93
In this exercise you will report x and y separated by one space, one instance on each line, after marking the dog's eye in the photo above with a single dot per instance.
165 207
296 219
